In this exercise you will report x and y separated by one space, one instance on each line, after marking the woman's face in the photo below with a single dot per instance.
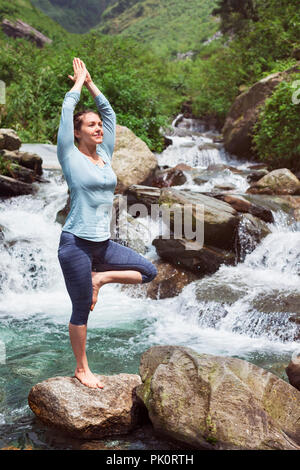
91 131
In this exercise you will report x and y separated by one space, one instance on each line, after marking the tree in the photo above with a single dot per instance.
234 14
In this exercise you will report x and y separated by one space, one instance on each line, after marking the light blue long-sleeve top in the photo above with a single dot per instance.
91 186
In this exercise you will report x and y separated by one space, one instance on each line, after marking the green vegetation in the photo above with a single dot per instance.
277 139
138 72
37 80
7 167
167 27
71 15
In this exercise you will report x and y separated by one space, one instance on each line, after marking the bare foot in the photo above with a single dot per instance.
97 282
87 378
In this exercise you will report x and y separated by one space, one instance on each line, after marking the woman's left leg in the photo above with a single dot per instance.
117 263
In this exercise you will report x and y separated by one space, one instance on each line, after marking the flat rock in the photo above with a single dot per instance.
71 407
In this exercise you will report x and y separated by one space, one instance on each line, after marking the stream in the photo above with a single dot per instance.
241 311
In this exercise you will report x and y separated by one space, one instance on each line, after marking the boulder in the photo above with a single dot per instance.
19 29
167 177
11 187
73 408
29 160
288 204
293 370
9 139
213 402
240 204
169 282
280 181
193 256
132 162
244 112
219 219
251 232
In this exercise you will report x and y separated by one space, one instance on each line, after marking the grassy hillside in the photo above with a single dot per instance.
168 26
74 15
37 79
145 87
26 11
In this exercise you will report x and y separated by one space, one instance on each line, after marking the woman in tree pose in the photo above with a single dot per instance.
87 256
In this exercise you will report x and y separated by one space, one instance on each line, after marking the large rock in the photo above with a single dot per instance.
244 112
280 181
220 220
133 162
29 160
240 204
19 29
9 139
193 256
293 370
214 402
288 204
169 282
64 403
167 177
251 232
12 187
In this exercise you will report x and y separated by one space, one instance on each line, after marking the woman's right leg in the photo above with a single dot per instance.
76 262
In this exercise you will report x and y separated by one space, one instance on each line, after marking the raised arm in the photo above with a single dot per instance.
108 117
65 136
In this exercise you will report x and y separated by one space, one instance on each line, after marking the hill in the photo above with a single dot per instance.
168 26
71 15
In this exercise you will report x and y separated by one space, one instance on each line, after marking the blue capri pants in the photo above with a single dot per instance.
78 257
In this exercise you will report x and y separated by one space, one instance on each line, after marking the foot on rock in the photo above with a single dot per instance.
87 378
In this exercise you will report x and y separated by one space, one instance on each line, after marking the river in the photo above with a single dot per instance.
234 312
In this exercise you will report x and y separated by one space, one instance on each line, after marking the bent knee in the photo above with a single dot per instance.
150 275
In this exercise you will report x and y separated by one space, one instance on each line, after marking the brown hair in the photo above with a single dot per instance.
77 120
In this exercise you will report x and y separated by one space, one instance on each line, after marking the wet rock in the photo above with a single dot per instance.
293 370
281 181
250 234
73 408
167 141
255 175
240 204
132 162
169 282
284 306
224 187
190 255
11 187
287 204
213 402
257 166
217 292
220 220
166 178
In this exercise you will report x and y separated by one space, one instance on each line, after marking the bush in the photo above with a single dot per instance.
276 133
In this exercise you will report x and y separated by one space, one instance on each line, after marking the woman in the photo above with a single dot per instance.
88 258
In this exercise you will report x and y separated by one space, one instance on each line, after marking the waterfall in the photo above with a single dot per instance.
248 310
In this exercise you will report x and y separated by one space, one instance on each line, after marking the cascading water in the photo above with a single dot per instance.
244 310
